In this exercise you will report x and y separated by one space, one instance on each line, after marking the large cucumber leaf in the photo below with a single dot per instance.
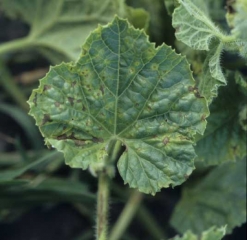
211 234
219 199
58 27
123 89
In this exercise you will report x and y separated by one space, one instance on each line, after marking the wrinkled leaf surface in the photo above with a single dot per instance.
123 89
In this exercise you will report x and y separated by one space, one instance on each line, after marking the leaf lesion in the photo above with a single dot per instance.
77 141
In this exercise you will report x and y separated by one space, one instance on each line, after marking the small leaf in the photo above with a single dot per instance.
218 199
123 89
211 234
208 85
193 26
195 29
214 64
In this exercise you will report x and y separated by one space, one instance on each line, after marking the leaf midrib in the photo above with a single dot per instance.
116 103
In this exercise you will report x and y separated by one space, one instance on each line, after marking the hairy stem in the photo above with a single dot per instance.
102 206
126 216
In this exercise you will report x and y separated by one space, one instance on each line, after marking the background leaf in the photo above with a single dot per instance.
160 29
206 83
57 28
224 139
25 122
24 193
237 20
193 26
218 199
82 108
8 175
242 82
211 234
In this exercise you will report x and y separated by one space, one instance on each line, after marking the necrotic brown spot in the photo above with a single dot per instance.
46 87
71 100
57 104
166 141
35 99
46 119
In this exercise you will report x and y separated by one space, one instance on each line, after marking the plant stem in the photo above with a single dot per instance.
151 224
14 45
102 206
145 217
126 216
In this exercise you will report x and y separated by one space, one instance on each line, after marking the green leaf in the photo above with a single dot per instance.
59 27
25 121
240 26
7 175
211 234
216 10
224 139
208 85
19 193
123 89
243 117
218 199
242 82
193 26
170 6
160 29
237 18
214 64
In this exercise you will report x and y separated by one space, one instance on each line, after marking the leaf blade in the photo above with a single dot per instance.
122 89
203 201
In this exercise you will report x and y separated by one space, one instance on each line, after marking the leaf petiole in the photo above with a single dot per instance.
14 45
102 207
126 216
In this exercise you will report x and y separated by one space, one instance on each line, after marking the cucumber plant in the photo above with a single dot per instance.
123 101
151 114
